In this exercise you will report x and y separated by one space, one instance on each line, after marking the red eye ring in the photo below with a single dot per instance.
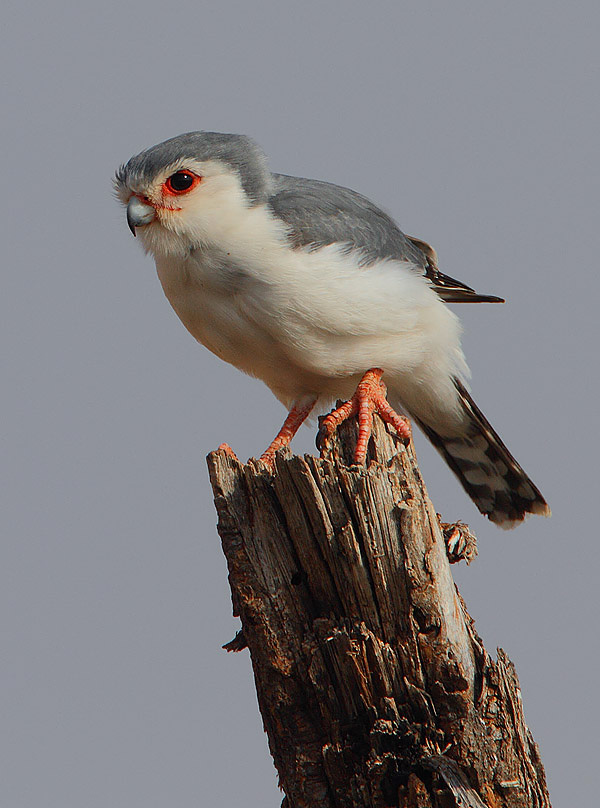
181 182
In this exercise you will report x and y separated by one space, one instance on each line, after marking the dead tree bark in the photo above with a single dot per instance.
373 686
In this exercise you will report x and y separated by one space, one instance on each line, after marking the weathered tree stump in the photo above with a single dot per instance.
373 686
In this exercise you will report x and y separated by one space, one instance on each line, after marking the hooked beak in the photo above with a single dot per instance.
139 213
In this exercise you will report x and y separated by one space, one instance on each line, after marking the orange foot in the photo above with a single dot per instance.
295 419
225 447
370 397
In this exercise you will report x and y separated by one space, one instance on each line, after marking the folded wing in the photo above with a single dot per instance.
320 213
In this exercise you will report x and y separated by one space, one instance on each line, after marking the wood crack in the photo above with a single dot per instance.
374 688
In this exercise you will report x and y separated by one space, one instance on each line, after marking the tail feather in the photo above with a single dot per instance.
486 469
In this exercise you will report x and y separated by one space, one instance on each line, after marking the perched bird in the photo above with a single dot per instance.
316 291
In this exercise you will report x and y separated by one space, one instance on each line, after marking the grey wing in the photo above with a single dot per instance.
319 213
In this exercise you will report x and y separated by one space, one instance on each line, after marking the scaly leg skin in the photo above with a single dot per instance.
293 422
370 397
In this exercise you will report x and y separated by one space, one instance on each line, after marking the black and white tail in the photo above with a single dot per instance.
486 469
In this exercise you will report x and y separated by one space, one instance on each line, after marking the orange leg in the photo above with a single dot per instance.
370 397
295 419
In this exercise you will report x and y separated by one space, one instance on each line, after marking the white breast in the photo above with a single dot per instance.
311 322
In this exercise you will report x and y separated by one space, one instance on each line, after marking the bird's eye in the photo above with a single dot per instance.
181 182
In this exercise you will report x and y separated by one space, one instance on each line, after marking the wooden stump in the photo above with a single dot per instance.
373 686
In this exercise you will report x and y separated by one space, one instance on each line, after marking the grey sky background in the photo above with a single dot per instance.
476 126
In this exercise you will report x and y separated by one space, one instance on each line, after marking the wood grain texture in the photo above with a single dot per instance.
373 686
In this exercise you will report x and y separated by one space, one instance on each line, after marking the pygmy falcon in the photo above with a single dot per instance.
315 290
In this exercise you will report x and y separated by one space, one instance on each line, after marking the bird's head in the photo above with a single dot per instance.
191 189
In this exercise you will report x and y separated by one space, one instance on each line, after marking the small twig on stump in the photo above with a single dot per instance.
373 686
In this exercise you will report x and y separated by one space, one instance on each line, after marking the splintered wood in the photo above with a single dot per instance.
373 686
